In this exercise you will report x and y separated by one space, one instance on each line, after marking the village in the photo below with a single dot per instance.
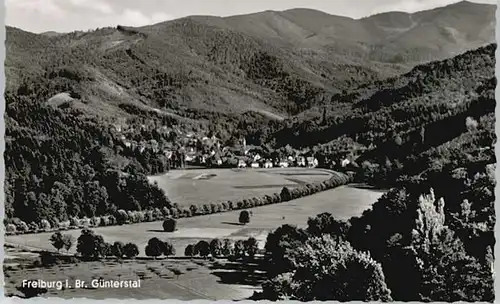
189 149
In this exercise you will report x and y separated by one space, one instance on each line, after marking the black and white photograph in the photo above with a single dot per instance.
304 150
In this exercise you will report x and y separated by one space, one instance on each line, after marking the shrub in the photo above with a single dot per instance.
148 216
85 222
11 228
74 221
22 227
157 214
33 227
165 211
95 221
105 221
112 220
121 217
45 225
194 209
186 212
174 213
54 222
139 216
132 216
64 225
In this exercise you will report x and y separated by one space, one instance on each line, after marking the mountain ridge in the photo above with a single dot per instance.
281 63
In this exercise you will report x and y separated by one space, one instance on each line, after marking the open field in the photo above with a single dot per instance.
186 187
197 281
343 202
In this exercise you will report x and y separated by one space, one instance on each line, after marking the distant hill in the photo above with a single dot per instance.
446 105
281 63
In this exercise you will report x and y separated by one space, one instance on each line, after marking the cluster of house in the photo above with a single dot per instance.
210 152
290 161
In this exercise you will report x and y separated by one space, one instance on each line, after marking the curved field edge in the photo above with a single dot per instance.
132 217
343 202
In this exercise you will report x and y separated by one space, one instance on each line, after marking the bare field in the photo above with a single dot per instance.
199 186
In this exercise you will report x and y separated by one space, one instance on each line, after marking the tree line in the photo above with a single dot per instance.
164 210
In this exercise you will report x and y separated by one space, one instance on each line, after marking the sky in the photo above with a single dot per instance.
68 15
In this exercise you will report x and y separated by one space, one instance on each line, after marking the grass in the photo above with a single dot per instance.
187 187
343 202
198 279
155 283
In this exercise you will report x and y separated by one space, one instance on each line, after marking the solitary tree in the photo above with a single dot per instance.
244 217
169 225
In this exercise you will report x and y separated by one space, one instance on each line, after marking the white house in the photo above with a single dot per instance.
301 161
242 164
312 162
268 164
257 157
255 165
189 157
283 164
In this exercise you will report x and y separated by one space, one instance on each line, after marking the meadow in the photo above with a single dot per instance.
343 202
221 280
186 187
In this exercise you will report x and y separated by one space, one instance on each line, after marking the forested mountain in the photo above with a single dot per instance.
278 62
74 101
399 101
